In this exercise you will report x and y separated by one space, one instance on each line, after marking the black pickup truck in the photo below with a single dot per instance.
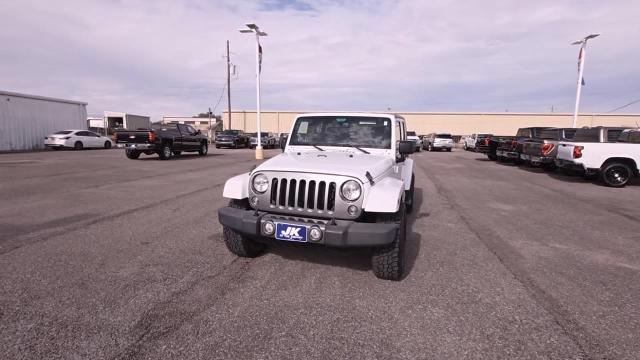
542 149
510 149
489 145
162 139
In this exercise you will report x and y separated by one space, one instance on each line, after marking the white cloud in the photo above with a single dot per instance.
165 58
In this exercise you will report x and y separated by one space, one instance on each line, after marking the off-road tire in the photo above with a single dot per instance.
616 174
165 152
549 167
204 149
217 146
78 145
449 149
465 147
132 154
237 243
107 144
388 262
492 157
408 195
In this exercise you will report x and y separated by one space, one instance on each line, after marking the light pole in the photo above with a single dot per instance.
253 28
581 56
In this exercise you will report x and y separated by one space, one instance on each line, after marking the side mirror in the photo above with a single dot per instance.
198 132
283 142
406 147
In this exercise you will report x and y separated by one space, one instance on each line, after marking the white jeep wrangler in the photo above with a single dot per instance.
343 180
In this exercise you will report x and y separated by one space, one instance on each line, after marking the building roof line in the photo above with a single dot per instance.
442 113
38 97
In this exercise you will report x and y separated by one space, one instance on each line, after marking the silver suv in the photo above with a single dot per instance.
343 180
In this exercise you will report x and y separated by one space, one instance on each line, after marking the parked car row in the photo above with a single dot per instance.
611 153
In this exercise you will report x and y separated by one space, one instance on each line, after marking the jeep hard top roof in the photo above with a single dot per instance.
363 114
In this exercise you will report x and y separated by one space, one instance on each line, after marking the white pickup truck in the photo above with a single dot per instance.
615 162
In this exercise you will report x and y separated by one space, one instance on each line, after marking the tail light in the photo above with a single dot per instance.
547 149
486 141
514 143
66 138
152 136
577 152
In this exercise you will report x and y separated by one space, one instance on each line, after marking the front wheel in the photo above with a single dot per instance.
449 149
465 147
78 145
388 262
204 148
616 174
107 144
165 152
237 243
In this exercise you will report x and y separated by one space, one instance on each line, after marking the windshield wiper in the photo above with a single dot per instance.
316 146
359 148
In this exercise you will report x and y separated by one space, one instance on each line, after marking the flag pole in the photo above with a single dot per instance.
582 55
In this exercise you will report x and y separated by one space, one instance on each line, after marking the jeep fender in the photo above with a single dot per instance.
385 196
237 187
407 172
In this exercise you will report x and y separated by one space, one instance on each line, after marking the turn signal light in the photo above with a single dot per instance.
152 136
547 149
577 152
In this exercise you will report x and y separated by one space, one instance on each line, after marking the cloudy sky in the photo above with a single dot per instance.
166 57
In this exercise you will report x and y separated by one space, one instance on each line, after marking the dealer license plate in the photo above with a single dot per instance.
290 232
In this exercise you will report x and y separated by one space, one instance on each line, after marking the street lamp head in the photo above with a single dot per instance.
252 26
591 36
262 33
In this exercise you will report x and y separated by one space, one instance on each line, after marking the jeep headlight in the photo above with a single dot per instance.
260 183
351 190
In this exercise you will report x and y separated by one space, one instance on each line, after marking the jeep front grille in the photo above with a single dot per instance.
303 194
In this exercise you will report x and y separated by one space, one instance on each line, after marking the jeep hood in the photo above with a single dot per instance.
328 162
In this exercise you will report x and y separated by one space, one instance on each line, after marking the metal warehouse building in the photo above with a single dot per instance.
456 123
26 119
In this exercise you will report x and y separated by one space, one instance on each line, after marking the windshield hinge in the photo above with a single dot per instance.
370 178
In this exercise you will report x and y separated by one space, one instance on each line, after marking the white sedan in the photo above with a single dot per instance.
77 139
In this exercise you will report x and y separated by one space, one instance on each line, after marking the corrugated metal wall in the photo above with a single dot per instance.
25 121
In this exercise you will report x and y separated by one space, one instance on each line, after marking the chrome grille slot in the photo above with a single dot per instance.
292 194
301 196
322 187
311 197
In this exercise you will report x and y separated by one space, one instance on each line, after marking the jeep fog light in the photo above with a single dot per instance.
260 183
315 234
350 190
352 210
268 228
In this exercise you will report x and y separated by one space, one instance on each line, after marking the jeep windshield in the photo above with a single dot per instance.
348 131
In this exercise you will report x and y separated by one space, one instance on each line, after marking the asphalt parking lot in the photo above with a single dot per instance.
102 257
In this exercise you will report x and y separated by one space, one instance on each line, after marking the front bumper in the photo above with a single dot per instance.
344 233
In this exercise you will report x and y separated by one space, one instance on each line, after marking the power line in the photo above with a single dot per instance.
220 99
624 106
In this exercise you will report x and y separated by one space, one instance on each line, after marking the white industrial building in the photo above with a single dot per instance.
26 119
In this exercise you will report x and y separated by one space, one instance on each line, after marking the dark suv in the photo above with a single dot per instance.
232 138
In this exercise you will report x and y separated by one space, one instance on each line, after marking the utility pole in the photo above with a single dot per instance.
228 85
210 129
